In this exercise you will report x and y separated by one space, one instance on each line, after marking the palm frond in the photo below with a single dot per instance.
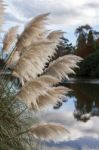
63 66
49 132
32 32
9 38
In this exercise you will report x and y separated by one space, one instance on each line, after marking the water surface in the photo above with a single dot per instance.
80 114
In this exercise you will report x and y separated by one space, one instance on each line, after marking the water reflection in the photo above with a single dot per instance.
79 113
87 99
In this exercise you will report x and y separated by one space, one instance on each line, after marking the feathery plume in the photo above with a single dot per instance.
9 38
46 47
13 60
32 32
1 13
31 90
37 96
49 132
47 80
32 61
55 36
51 97
63 66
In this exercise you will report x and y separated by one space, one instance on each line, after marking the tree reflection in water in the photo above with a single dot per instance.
87 100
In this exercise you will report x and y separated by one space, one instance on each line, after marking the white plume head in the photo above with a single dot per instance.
50 132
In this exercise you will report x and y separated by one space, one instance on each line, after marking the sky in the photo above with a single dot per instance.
83 136
66 15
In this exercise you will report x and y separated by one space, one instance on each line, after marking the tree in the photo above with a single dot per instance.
90 66
64 48
90 39
81 41
19 128
85 41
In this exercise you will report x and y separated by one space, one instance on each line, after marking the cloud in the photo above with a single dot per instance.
93 5
65 14
77 129
80 133
56 148
87 143
58 10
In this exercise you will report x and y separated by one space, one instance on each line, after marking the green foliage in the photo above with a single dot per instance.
81 41
90 66
64 48
90 39
86 42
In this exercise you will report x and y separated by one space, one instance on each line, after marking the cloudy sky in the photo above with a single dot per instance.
65 15
83 136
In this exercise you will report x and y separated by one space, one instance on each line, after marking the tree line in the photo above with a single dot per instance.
87 47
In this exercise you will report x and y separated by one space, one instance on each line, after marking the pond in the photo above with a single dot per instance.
80 114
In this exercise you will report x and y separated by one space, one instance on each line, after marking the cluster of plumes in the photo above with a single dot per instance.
33 49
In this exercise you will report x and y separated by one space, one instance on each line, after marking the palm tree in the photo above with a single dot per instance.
35 88
83 29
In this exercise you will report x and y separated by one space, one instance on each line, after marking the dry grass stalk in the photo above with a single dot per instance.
32 32
55 36
39 95
39 53
50 98
32 61
1 13
9 38
13 60
63 66
49 132
35 88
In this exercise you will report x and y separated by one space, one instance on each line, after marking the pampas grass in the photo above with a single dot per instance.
33 60
51 97
37 87
55 36
63 66
9 38
1 13
49 132
32 32
37 95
